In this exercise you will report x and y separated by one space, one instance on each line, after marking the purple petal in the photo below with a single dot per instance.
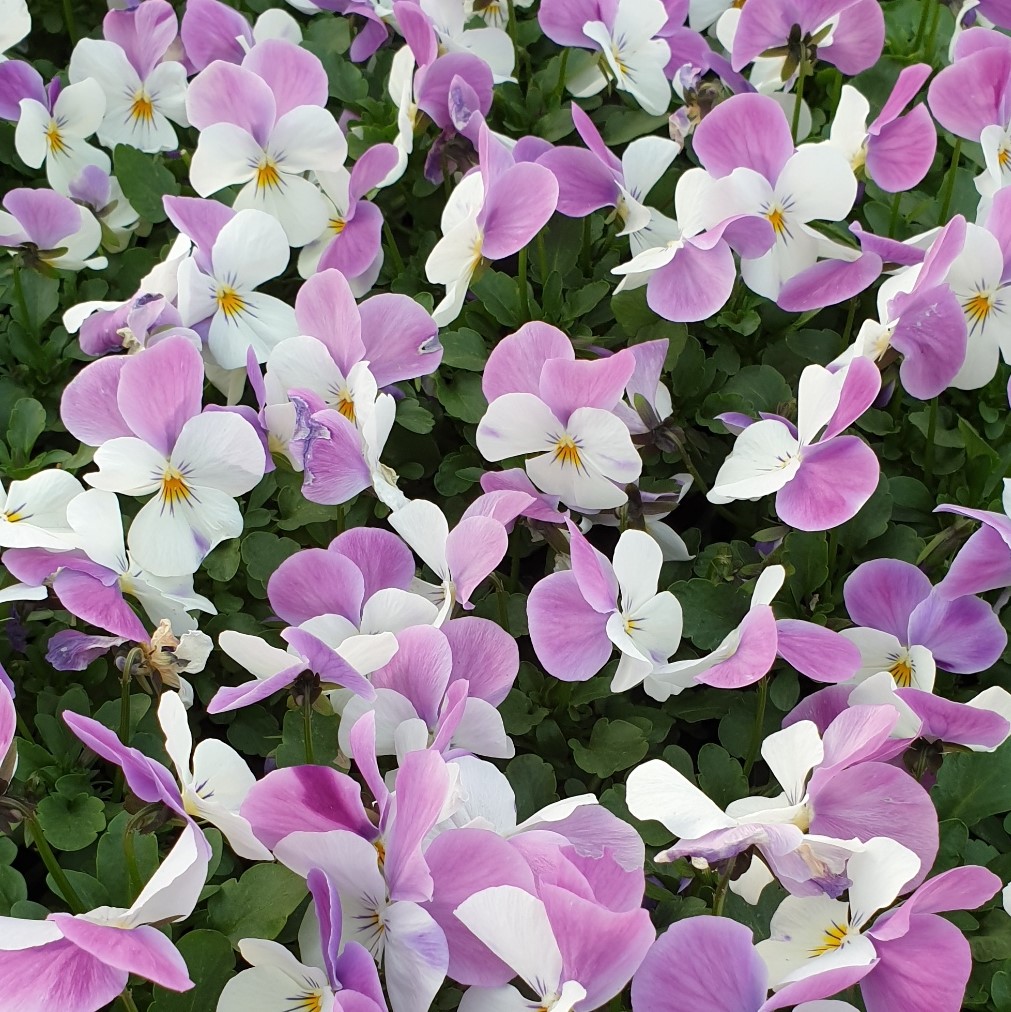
47 217
328 914
234 697
473 549
401 338
596 580
294 75
695 285
972 93
199 220
754 656
225 93
89 407
316 582
884 593
485 654
828 283
568 636
211 31
91 600
432 85
417 31
584 184
817 652
509 225
327 663
382 558
945 720
326 309
371 169
419 670
354 250
568 385
860 389
982 564
748 131
858 39
335 470
515 363
931 334
963 634
19 80
901 154
909 82
144 34
818 985
70 650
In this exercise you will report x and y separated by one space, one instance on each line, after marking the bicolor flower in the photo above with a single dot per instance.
490 44
145 93
33 511
821 478
542 401
103 196
50 230
57 136
157 440
578 616
262 126
211 30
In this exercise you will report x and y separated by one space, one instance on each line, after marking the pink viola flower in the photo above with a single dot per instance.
895 150
263 125
909 629
571 952
821 478
483 220
849 34
346 981
50 230
748 652
832 800
145 91
819 945
622 36
746 140
542 401
81 962
153 437
578 616
211 30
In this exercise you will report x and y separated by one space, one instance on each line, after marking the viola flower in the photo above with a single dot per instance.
33 511
541 400
101 193
578 616
483 221
747 138
623 36
821 478
262 126
145 93
249 250
495 13
158 441
57 136
895 150
211 30
569 951
984 561
50 230
491 44
16 21
908 629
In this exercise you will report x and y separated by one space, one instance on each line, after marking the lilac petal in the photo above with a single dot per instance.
584 184
754 656
371 169
515 363
58 975
821 707
568 385
335 470
883 594
401 338
382 558
817 652
569 636
982 564
326 309
211 31
998 223
327 663
46 216
828 283
931 334
909 82
747 131
891 251
328 914
160 390
432 85
355 249
316 582
860 389
225 93
543 507
485 654
649 361
89 407
901 154
357 973
305 799
748 235
701 964
695 285
562 20
997 521
945 720
473 549
234 697
503 505
975 40
818 985
600 948
463 862
417 31
89 599
142 950
906 974
768 24
507 225
972 93
858 39
70 650
144 33
855 736
148 779
874 799
419 670
19 80
963 634
8 719
294 75
835 479
593 571
199 220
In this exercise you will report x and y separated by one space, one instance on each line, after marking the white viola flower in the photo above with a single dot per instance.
493 45
250 250
494 13
57 137
33 512
214 779
276 981
15 24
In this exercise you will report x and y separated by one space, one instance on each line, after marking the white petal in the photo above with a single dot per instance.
817 184
259 658
424 527
516 424
226 155
791 754
637 561
96 519
877 874
817 398
655 790
764 458
261 324
178 737
219 450
249 250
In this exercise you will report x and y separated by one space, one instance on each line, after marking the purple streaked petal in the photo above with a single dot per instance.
315 582
516 362
891 251
964 634
945 720
931 334
485 654
884 593
584 184
417 31
972 93
473 549
355 249
817 652
828 283
562 20
419 670
401 338
432 85
748 131
335 470
294 75
19 80
858 39
326 309
566 385
211 30
89 407
902 152
47 217
819 985
909 82
593 572
695 285
982 564
861 387
754 656
328 914
568 635
327 663
508 224
382 558
144 34
234 697
91 600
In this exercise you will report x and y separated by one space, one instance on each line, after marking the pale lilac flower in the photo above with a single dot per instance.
33 511
49 229
211 30
103 196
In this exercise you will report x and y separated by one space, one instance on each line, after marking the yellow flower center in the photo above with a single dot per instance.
142 108
631 625
381 854
902 672
54 139
337 225
14 516
567 452
174 489
1004 156
777 219
978 308
229 301
346 407
308 1002
831 940
267 176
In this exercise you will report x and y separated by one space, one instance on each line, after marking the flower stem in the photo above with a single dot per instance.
511 4
394 251
310 757
524 296
928 457
720 896
756 733
133 871
949 183
798 101
70 21
893 220
126 1000
562 67
52 865
928 51
922 27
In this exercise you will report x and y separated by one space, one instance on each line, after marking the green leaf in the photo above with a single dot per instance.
28 422
711 610
145 181
721 776
462 396
614 745
520 714
42 299
499 294
533 783
257 905
13 889
808 555
972 785
291 751
464 349
263 553
415 418
223 562
71 823
210 961
111 860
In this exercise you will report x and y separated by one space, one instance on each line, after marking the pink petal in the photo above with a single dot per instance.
568 636
754 656
515 363
747 131
508 224
568 385
89 409
326 309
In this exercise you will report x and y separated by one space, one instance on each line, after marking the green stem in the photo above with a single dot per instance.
394 251
949 182
310 756
524 296
24 730
720 896
584 249
512 22
53 866
70 21
126 1000
928 51
132 868
542 257
850 317
928 457
893 220
798 101
562 67
502 603
38 360
924 15
682 445
756 733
